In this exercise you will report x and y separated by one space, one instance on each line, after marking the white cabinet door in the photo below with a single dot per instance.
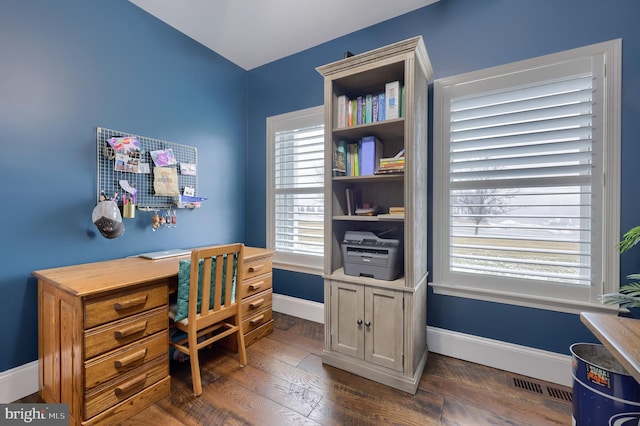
366 323
347 319
384 327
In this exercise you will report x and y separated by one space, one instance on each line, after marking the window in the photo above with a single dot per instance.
523 213
295 189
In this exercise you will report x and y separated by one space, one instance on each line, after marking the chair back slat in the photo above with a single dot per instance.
206 286
229 278
218 288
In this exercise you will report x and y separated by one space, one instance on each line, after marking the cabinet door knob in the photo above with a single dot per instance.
367 324
359 322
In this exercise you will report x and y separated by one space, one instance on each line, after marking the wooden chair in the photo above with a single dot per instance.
218 313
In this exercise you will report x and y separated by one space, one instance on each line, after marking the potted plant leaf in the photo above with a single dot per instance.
628 295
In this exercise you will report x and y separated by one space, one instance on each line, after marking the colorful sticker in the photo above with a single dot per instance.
598 375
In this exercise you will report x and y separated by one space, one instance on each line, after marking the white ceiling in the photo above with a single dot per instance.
251 33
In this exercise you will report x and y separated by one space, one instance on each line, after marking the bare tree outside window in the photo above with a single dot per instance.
480 204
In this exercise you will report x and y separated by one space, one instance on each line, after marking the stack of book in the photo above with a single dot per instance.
372 107
359 158
396 211
393 164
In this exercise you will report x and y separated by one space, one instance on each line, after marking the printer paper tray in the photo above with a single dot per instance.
339 275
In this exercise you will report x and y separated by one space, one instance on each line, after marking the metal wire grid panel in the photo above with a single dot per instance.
109 176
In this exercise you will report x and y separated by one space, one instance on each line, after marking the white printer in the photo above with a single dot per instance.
366 255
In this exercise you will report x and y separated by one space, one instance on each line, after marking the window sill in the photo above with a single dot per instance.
304 269
551 304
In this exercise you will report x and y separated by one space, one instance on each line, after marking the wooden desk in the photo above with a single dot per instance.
103 332
620 335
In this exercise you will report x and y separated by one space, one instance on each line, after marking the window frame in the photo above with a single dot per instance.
289 261
605 225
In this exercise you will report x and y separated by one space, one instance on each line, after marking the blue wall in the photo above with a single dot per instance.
463 36
67 67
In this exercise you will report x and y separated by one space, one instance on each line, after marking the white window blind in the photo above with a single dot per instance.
523 205
521 182
297 188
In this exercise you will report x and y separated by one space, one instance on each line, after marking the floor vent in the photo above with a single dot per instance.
559 394
527 385
531 386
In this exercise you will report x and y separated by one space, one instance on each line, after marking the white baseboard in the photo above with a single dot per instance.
523 360
535 363
305 309
18 382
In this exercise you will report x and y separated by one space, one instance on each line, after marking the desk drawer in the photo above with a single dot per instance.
111 336
126 386
256 285
258 333
255 321
102 369
124 304
256 303
255 267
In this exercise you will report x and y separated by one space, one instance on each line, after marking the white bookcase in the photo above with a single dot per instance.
373 327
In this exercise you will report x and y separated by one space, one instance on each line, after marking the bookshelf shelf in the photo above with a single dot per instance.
339 274
353 304
371 178
387 129
378 218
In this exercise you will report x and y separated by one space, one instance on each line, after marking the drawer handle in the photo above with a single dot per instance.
256 268
256 286
131 303
256 304
132 329
131 385
130 359
256 320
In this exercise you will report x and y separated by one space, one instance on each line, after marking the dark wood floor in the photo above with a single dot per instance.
285 383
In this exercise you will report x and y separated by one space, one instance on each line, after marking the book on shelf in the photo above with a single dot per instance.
354 112
381 107
371 152
353 163
351 206
392 100
368 109
352 199
339 159
343 105
359 112
374 108
390 170
396 210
